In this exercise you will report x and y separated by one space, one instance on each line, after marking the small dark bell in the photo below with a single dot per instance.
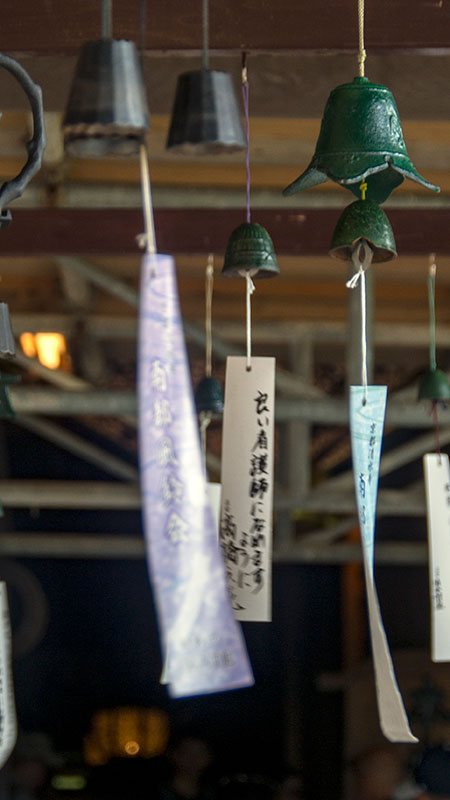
205 119
209 396
434 385
6 409
107 110
7 343
250 249
363 220
360 139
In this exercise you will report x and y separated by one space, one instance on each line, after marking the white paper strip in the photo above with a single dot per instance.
8 720
247 485
437 489
215 497
367 422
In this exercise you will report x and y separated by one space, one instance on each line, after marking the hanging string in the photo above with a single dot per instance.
431 305
205 34
106 19
250 288
434 411
143 30
362 53
208 315
362 259
204 420
247 128
146 240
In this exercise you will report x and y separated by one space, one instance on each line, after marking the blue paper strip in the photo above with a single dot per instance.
367 410
366 424
201 639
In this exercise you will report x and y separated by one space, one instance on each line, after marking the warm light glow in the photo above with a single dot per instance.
27 344
48 347
132 748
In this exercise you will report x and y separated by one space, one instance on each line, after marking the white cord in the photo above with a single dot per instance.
362 259
208 314
205 419
148 239
250 288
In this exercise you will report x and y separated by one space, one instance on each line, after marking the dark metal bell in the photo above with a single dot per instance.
250 249
6 409
206 119
360 139
209 396
434 385
7 343
363 220
107 111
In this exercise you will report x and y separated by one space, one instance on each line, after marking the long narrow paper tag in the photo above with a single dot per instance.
437 489
366 422
199 632
247 485
215 497
8 720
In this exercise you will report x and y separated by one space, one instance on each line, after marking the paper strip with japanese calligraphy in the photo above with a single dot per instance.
199 632
8 719
247 485
367 422
437 490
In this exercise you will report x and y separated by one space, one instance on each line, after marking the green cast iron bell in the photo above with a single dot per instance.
209 396
360 139
434 385
363 220
250 249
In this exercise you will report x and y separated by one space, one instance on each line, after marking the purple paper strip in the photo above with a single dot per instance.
201 640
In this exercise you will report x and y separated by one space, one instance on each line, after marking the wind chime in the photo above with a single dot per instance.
208 395
361 147
248 427
9 191
205 116
434 386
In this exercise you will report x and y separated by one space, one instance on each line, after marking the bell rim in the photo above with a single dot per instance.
328 173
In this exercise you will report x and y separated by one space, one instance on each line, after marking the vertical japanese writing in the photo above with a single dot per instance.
171 486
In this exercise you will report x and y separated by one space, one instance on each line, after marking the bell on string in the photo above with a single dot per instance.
434 385
209 396
363 220
6 409
7 343
206 117
250 249
360 139
107 110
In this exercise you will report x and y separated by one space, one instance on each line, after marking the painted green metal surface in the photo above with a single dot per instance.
434 385
250 249
363 219
360 139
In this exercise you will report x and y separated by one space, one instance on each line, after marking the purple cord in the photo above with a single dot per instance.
247 135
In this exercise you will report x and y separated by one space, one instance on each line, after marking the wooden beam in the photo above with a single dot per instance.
56 27
101 545
295 231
